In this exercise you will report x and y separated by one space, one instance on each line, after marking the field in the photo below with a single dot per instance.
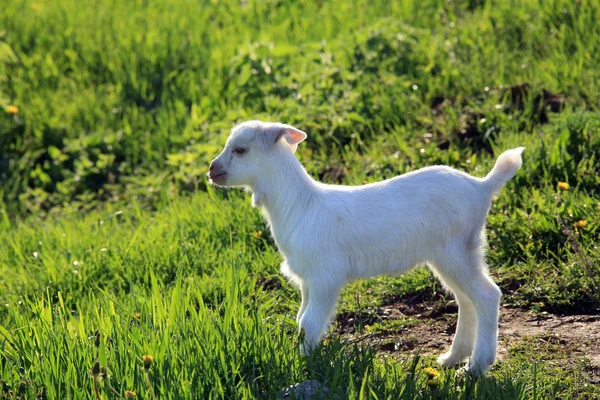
123 273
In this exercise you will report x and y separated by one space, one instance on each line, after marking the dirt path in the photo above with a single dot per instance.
578 334
430 329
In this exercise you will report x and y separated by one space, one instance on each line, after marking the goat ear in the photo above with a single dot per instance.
291 135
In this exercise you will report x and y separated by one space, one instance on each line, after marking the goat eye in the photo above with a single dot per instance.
239 150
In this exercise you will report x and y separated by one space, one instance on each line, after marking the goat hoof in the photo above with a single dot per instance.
476 369
449 359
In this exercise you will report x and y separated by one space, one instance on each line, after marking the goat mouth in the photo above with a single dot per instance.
217 178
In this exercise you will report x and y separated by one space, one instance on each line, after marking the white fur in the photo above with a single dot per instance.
330 235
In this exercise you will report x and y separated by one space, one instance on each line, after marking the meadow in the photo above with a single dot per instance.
123 274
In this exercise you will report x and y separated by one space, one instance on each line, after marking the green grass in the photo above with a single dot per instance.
113 247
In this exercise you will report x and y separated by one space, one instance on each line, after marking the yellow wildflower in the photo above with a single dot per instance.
432 372
538 306
257 234
96 370
12 109
148 359
129 394
581 224
563 185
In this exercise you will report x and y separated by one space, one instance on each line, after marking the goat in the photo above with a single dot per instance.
330 235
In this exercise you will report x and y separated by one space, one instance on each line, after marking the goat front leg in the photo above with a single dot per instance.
314 321
304 304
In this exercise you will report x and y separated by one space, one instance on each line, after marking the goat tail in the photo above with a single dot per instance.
506 167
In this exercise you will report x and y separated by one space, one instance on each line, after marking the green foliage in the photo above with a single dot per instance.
107 111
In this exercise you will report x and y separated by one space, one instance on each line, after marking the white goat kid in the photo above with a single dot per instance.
330 235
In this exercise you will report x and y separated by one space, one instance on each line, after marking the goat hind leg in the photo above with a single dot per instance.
468 279
464 338
485 296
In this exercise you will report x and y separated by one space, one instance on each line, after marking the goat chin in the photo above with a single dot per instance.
330 235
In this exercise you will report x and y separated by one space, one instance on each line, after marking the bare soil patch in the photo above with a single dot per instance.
433 324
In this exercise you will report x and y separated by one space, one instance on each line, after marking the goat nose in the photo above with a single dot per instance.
212 165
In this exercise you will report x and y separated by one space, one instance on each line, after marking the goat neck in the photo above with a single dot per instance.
284 192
